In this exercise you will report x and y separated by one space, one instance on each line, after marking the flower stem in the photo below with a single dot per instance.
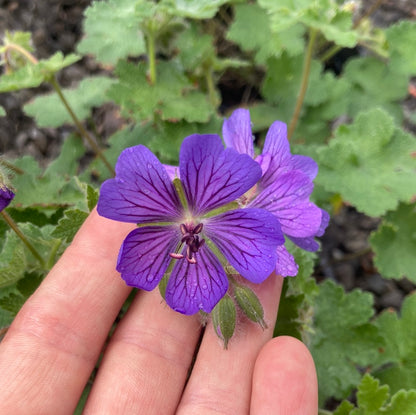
304 83
84 133
11 166
21 235
152 56
209 79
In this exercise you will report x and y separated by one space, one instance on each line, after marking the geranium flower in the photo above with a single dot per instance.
284 188
6 196
182 229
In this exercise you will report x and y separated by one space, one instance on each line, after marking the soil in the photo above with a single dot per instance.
57 26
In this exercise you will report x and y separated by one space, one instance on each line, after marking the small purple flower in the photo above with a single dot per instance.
6 196
284 188
182 231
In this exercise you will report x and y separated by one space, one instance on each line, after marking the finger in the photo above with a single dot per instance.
221 379
55 340
284 380
147 361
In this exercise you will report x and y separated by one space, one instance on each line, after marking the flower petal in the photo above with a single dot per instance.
194 287
237 134
248 239
212 176
277 146
6 196
305 164
141 191
144 255
285 264
288 199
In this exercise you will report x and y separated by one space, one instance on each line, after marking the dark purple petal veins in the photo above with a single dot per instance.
212 176
237 134
285 265
141 191
288 199
277 147
199 286
248 239
144 255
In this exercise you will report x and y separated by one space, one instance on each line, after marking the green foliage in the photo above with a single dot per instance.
370 163
375 399
2 111
173 97
329 18
394 364
117 22
343 338
32 75
49 111
195 9
260 39
69 224
394 243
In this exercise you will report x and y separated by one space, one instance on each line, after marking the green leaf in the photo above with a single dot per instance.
49 111
194 9
334 22
373 399
2 112
92 197
395 363
12 260
31 75
394 243
173 97
402 49
365 75
260 39
112 30
12 303
344 338
69 225
6 318
370 163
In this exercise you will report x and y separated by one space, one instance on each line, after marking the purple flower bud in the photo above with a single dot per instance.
6 196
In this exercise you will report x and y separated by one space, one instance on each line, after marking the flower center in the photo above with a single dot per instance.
191 238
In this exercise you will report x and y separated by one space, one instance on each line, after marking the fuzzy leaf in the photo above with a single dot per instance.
394 243
172 95
327 16
194 9
12 303
69 225
373 399
117 22
344 338
49 111
31 76
260 39
370 163
395 363
12 260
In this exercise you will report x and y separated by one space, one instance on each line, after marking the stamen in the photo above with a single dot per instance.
191 238
174 255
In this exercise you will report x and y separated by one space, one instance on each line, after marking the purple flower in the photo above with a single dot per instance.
182 231
6 196
284 188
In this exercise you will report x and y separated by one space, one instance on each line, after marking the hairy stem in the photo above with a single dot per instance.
209 79
304 83
11 166
84 133
21 235
151 50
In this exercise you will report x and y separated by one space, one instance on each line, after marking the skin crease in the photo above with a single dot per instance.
55 341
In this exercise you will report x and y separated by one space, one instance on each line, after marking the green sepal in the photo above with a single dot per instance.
229 206
181 192
250 304
224 318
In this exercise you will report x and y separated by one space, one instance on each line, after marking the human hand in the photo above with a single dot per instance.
54 343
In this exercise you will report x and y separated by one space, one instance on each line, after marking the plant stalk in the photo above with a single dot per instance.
84 133
11 166
304 82
151 50
22 236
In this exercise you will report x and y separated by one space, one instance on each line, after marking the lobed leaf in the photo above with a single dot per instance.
394 243
370 163
31 76
49 111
